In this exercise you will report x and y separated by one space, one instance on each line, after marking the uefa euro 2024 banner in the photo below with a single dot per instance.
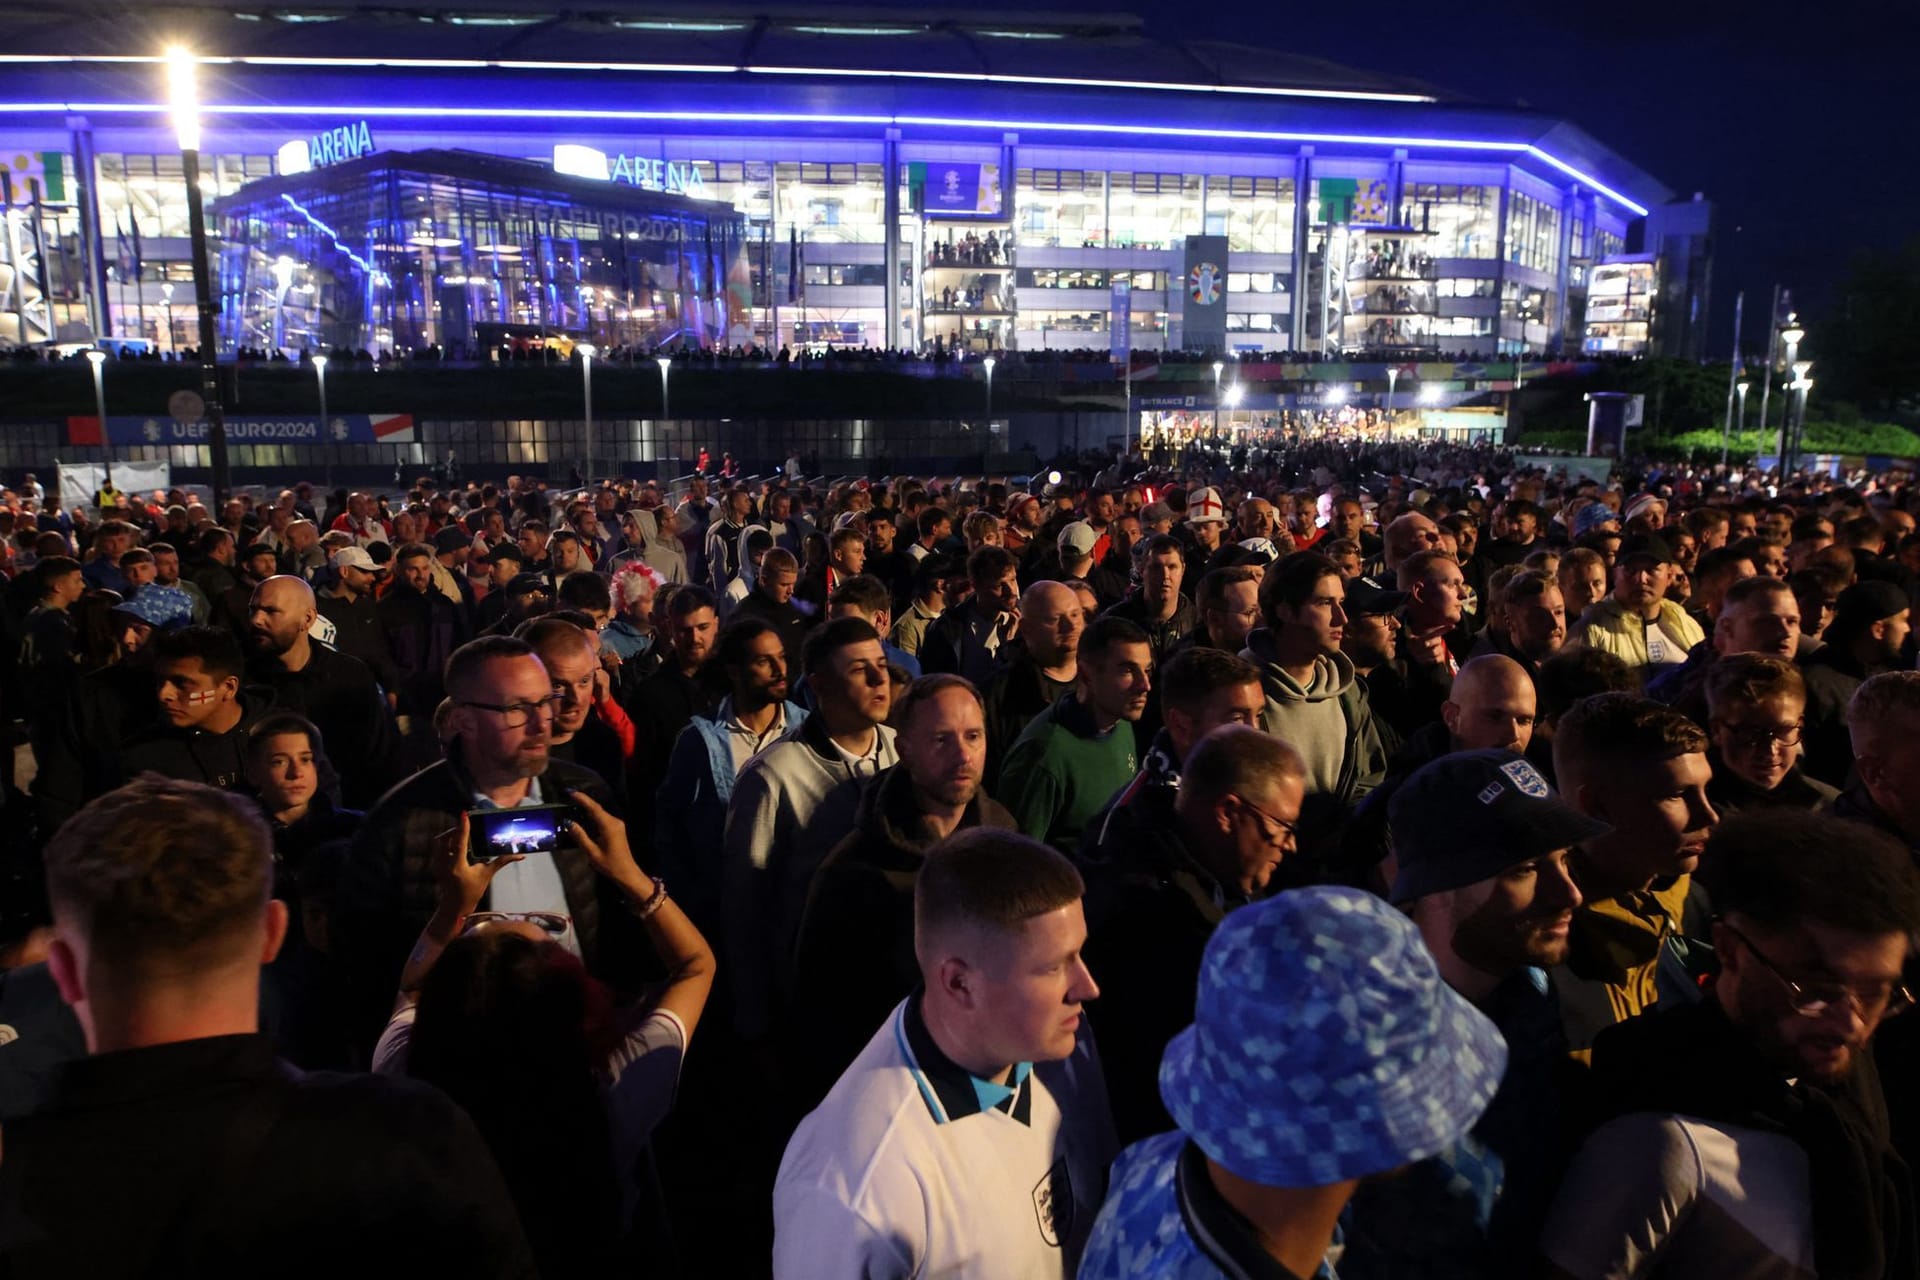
339 428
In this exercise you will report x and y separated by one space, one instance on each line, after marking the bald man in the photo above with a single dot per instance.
333 690
1407 536
1491 704
586 721
1038 670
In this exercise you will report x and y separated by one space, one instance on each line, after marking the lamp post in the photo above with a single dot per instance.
587 352
1797 408
665 363
166 300
98 360
1739 416
1393 379
184 95
1219 367
320 374
987 444
1790 337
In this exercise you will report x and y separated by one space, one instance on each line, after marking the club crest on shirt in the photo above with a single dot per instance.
1053 1203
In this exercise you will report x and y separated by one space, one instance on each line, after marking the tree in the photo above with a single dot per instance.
1866 342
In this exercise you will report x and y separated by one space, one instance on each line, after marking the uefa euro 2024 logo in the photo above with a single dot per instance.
1203 283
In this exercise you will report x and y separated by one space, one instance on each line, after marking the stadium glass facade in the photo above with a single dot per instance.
850 187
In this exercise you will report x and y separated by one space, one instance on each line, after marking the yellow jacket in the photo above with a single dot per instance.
1608 626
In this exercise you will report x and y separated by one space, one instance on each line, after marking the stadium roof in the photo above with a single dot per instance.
517 64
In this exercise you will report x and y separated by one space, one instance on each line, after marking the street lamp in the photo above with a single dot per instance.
1393 379
1802 384
1219 366
665 363
1740 417
98 360
183 93
320 373
587 352
1234 395
166 299
987 446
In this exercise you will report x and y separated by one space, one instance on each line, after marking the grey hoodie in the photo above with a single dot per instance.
1327 721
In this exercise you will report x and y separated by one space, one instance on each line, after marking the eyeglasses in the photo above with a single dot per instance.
549 921
1812 999
1289 834
1763 737
515 715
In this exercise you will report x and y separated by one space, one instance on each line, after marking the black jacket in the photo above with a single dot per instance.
104 709
196 755
854 959
359 632
338 694
209 1157
1151 907
1013 696
792 624
423 629
1162 634
386 890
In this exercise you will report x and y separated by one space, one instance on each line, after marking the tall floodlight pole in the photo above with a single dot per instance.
183 93
98 360
587 352
1739 418
666 364
1798 408
1393 378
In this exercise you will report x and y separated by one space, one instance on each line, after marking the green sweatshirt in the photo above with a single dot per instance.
1061 772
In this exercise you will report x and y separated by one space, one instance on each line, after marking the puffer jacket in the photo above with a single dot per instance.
1608 627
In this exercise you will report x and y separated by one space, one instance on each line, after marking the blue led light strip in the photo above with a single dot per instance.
704 68
878 121
331 234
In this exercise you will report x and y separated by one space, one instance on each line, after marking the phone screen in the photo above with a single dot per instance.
500 833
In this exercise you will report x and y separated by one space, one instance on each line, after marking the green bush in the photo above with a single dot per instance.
1882 439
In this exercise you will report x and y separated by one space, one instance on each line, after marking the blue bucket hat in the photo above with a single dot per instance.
162 608
1591 517
1325 1046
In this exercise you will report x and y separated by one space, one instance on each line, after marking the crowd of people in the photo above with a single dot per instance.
1369 861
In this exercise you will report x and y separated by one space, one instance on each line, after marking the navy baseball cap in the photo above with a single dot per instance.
1366 599
1468 816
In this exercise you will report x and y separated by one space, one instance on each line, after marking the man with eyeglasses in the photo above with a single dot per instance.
1163 882
498 743
1757 716
1747 1135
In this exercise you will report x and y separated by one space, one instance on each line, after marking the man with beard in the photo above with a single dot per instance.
253 565
1768 1154
423 629
1642 769
854 959
791 805
358 629
1038 670
663 703
317 681
1535 625
690 805
1482 844
498 745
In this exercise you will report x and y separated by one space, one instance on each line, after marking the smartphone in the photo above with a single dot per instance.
499 833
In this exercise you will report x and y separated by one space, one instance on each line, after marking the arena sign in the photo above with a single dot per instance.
339 428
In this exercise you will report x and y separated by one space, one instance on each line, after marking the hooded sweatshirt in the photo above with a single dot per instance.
1308 717
663 555
743 582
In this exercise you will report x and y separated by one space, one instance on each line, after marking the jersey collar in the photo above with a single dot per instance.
950 1091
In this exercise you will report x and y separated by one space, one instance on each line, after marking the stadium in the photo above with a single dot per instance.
394 176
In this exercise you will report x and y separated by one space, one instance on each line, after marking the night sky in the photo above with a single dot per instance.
1800 122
